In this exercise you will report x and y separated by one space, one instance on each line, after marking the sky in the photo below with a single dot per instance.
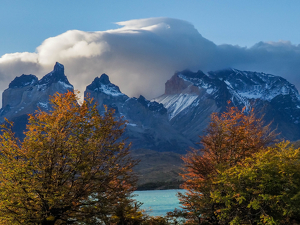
140 43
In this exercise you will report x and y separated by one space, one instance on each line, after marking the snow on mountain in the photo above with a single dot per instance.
108 90
190 97
181 91
241 86
176 103
174 120
55 76
26 94
43 105
152 105
103 85
23 80
147 123
254 85
65 85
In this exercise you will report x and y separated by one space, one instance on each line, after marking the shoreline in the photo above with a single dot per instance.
159 186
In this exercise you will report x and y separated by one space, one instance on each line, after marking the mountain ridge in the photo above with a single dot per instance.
161 130
174 120
202 94
147 122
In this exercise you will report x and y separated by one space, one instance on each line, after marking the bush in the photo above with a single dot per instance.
262 189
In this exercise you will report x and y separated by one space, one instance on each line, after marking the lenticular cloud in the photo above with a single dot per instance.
142 54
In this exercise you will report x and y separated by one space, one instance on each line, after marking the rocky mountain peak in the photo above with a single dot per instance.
27 94
103 85
186 82
152 105
142 100
187 73
104 79
254 85
55 76
59 67
23 80
175 85
171 120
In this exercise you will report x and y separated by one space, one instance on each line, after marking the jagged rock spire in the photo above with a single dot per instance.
55 76
103 85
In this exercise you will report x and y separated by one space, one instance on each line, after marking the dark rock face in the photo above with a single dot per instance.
103 85
57 75
147 122
176 85
173 121
152 106
23 80
26 94
105 93
191 97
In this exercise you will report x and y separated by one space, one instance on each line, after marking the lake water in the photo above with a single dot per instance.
158 202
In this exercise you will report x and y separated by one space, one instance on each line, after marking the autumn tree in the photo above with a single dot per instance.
229 139
72 167
264 189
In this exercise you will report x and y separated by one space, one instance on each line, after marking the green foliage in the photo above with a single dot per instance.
230 138
263 189
72 167
156 220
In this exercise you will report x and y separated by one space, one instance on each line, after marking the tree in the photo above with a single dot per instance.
263 189
72 166
230 138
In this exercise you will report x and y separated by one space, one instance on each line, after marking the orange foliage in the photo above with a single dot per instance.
230 138
73 165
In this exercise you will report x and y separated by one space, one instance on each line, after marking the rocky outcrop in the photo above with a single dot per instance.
147 121
26 94
191 97
173 121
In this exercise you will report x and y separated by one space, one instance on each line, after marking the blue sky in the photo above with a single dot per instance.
157 38
25 24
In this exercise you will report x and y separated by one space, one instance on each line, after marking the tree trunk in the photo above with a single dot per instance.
48 222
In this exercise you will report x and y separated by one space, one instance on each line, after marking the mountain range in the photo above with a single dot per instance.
173 121
163 128
191 97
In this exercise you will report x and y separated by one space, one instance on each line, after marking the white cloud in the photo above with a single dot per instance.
19 56
142 54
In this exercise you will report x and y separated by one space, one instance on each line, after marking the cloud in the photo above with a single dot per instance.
141 55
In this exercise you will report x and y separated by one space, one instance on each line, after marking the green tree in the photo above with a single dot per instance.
72 166
262 189
230 138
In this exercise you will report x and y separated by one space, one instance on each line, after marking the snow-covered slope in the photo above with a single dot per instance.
103 85
173 121
253 85
186 92
177 102
148 126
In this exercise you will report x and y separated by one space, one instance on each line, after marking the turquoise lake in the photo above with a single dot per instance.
158 202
